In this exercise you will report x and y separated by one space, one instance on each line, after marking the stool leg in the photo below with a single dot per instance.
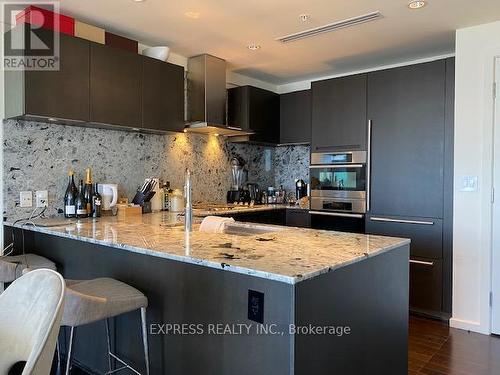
70 349
109 344
145 338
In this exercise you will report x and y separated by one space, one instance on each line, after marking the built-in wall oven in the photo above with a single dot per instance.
338 190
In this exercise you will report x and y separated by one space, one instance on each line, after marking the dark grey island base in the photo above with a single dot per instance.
369 298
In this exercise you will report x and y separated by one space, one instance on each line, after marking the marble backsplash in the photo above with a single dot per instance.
37 156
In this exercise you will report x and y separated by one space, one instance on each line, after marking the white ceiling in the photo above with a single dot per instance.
225 27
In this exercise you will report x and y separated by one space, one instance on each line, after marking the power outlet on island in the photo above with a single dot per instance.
42 198
25 199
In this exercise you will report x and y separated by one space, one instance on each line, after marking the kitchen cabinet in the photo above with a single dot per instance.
406 108
162 95
295 117
339 120
255 109
298 218
115 86
426 286
276 217
426 234
61 94
411 190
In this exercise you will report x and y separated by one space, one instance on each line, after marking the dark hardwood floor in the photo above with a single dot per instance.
436 349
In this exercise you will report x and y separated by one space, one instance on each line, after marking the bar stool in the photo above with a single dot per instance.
13 267
89 301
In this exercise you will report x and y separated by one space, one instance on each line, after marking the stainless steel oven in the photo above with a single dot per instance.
338 190
338 181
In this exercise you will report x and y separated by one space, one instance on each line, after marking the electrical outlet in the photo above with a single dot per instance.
42 198
26 199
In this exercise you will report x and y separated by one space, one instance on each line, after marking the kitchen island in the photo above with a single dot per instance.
254 300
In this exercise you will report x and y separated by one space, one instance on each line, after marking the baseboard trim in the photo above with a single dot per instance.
467 325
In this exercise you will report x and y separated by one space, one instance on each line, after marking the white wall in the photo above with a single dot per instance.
476 48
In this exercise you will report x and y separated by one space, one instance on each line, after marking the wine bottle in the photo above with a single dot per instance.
96 202
81 203
87 191
70 196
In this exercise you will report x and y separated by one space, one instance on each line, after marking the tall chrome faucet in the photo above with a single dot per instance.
188 216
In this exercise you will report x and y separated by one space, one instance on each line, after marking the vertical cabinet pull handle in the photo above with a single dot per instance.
368 166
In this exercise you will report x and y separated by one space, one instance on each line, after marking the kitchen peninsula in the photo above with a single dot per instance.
280 277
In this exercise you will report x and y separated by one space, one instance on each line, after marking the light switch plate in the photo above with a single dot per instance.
42 198
469 183
26 199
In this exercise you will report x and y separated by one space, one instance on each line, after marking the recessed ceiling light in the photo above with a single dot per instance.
253 47
304 17
138 1
193 15
417 4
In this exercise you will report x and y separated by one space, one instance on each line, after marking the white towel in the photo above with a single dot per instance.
215 224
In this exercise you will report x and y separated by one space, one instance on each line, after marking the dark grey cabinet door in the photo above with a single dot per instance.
64 93
162 95
426 235
406 107
426 286
339 114
295 117
255 109
264 115
298 218
115 86
237 107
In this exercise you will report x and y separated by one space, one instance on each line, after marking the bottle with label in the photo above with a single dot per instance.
96 202
87 191
81 203
70 196
166 196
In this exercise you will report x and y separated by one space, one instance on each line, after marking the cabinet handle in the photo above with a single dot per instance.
368 166
234 128
339 214
431 264
333 166
401 221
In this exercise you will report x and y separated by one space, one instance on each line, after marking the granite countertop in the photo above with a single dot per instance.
287 254
220 210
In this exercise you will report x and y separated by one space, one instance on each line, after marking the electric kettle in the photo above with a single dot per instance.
109 194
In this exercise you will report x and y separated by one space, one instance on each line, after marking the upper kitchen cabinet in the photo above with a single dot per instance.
162 96
406 107
115 86
339 120
255 109
60 94
295 117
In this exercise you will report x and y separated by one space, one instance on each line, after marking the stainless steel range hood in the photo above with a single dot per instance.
206 97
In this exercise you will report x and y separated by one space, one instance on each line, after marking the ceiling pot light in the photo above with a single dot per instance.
193 15
305 17
253 47
417 4
138 1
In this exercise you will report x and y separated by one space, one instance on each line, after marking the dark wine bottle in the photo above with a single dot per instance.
96 202
81 203
70 197
87 191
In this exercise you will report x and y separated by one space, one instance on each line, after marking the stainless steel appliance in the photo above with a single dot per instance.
338 190
207 97
300 189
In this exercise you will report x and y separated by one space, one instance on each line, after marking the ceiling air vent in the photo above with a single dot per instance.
331 27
